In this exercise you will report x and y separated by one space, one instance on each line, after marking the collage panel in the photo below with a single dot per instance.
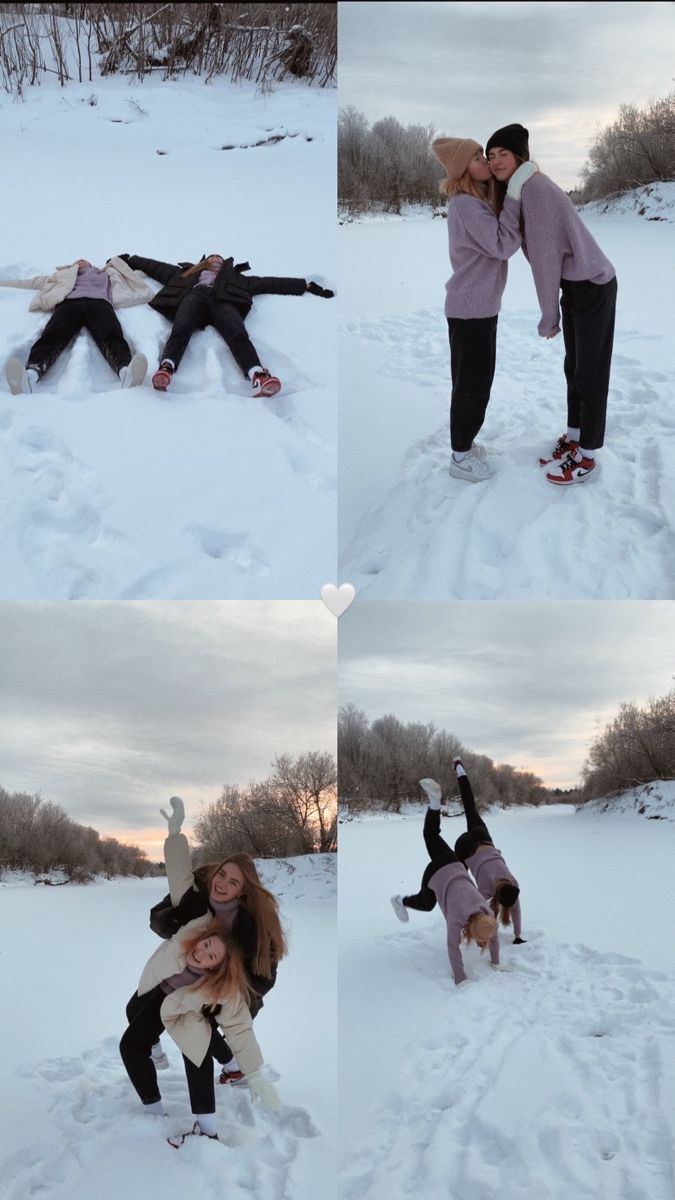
168 392
501 169
506 974
168 887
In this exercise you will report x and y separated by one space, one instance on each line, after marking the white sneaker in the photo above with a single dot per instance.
399 908
474 467
432 789
17 377
134 374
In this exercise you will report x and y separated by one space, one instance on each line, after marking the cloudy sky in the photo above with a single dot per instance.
529 684
560 69
109 709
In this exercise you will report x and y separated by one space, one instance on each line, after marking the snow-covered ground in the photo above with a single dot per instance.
409 531
72 1126
655 801
554 1080
201 492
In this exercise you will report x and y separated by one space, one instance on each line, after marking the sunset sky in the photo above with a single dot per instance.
109 709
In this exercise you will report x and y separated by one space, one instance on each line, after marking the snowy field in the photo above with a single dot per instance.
201 492
556 1080
72 1125
408 530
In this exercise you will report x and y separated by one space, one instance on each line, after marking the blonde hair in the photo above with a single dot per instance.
467 186
480 928
228 978
271 944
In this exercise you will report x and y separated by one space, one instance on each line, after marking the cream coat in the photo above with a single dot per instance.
181 1010
128 287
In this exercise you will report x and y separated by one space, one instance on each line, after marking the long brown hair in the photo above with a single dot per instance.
499 189
262 905
480 928
229 977
202 265
501 912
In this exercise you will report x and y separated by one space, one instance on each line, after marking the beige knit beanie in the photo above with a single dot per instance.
455 154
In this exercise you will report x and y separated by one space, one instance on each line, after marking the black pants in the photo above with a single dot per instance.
473 355
145 1027
98 316
477 832
440 854
199 309
588 311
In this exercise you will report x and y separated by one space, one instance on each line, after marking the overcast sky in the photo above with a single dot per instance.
109 709
560 69
525 683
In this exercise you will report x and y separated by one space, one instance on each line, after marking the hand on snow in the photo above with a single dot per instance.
263 1090
551 333
520 941
317 290
520 177
432 789
178 815
501 967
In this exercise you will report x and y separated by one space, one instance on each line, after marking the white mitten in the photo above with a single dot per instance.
432 789
501 967
520 176
263 1090
178 815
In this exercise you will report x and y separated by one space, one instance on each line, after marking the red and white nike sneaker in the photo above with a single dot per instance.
233 1077
562 448
162 377
264 384
573 469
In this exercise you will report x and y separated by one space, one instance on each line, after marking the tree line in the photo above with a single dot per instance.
386 165
637 747
381 763
259 42
292 812
37 835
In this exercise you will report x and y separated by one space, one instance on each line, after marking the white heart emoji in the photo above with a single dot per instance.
338 599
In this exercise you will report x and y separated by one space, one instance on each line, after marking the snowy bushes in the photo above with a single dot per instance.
638 148
262 42
292 812
386 165
380 765
37 835
637 747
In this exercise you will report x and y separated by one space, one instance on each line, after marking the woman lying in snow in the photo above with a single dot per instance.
81 296
229 892
200 969
214 292
480 242
446 880
477 851
564 257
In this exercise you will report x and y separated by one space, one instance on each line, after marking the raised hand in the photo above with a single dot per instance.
177 816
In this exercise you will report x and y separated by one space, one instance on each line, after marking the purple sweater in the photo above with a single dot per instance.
487 866
480 243
557 246
459 900
92 283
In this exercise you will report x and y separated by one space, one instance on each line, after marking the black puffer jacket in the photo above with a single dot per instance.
230 284
165 920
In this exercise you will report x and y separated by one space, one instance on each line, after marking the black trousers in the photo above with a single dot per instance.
145 1027
588 311
476 830
440 854
98 316
473 356
199 309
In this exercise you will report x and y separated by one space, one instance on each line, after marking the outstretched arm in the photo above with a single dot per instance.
32 284
177 853
161 271
277 285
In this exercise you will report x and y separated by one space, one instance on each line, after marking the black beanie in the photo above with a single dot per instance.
507 894
513 138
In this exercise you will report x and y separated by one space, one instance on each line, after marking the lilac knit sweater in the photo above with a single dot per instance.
479 243
459 900
487 866
557 246
92 284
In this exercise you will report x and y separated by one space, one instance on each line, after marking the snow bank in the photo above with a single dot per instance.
654 202
655 800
